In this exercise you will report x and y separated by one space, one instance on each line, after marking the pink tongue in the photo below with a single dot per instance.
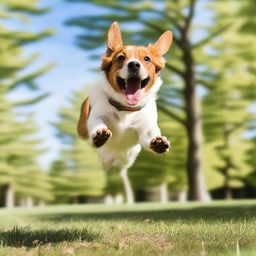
133 91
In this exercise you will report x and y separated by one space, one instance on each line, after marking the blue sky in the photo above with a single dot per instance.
72 70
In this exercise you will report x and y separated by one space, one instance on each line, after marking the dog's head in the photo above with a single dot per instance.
132 70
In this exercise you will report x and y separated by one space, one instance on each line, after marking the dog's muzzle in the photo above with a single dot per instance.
133 68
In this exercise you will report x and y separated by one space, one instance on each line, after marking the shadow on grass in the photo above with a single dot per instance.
18 237
208 214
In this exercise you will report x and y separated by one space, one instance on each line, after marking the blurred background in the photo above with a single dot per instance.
50 55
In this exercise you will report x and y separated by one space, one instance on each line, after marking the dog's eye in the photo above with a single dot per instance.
121 58
146 58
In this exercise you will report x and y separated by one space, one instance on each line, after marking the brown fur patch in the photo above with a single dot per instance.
112 66
116 48
82 123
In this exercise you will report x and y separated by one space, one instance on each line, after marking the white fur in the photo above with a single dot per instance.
130 130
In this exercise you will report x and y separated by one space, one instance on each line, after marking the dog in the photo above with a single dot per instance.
120 115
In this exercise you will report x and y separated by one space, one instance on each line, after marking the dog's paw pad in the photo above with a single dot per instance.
159 145
101 136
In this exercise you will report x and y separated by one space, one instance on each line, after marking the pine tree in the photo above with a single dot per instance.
77 172
225 122
250 154
17 158
169 170
246 15
229 96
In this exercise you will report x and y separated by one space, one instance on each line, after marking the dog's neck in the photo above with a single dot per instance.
121 107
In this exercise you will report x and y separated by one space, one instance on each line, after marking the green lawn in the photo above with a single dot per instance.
219 228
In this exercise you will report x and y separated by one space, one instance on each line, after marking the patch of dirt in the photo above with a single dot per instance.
159 242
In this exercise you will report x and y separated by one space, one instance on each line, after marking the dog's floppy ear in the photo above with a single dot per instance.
114 38
163 44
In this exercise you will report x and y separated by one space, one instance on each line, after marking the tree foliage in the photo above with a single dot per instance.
151 170
78 171
18 165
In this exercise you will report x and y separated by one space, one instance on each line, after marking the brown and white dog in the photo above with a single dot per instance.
120 114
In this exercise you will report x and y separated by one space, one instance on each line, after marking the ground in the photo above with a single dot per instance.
219 228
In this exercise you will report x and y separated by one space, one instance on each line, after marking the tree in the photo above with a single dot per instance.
225 121
229 96
250 154
18 152
247 27
19 168
77 172
251 161
166 171
246 12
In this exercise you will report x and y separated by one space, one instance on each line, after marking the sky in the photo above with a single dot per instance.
72 69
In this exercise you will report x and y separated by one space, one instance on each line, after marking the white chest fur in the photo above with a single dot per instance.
130 130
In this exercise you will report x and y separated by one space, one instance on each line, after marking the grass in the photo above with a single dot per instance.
219 228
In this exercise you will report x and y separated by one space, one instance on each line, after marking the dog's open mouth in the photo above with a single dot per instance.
131 88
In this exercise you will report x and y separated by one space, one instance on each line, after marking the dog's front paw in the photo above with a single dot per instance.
159 145
100 137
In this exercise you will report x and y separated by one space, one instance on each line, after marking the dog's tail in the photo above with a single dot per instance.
82 123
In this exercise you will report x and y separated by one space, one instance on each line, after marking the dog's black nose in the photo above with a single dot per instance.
133 66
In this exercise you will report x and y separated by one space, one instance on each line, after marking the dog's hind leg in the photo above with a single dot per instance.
127 185
118 162
131 156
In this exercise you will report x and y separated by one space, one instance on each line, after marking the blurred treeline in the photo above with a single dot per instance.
206 107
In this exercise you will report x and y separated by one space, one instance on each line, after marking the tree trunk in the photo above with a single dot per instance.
75 200
164 198
9 196
118 199
227 189
197 188
22 202
127 186
109 199
228 163
182 196
29 202
228 193
41 203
